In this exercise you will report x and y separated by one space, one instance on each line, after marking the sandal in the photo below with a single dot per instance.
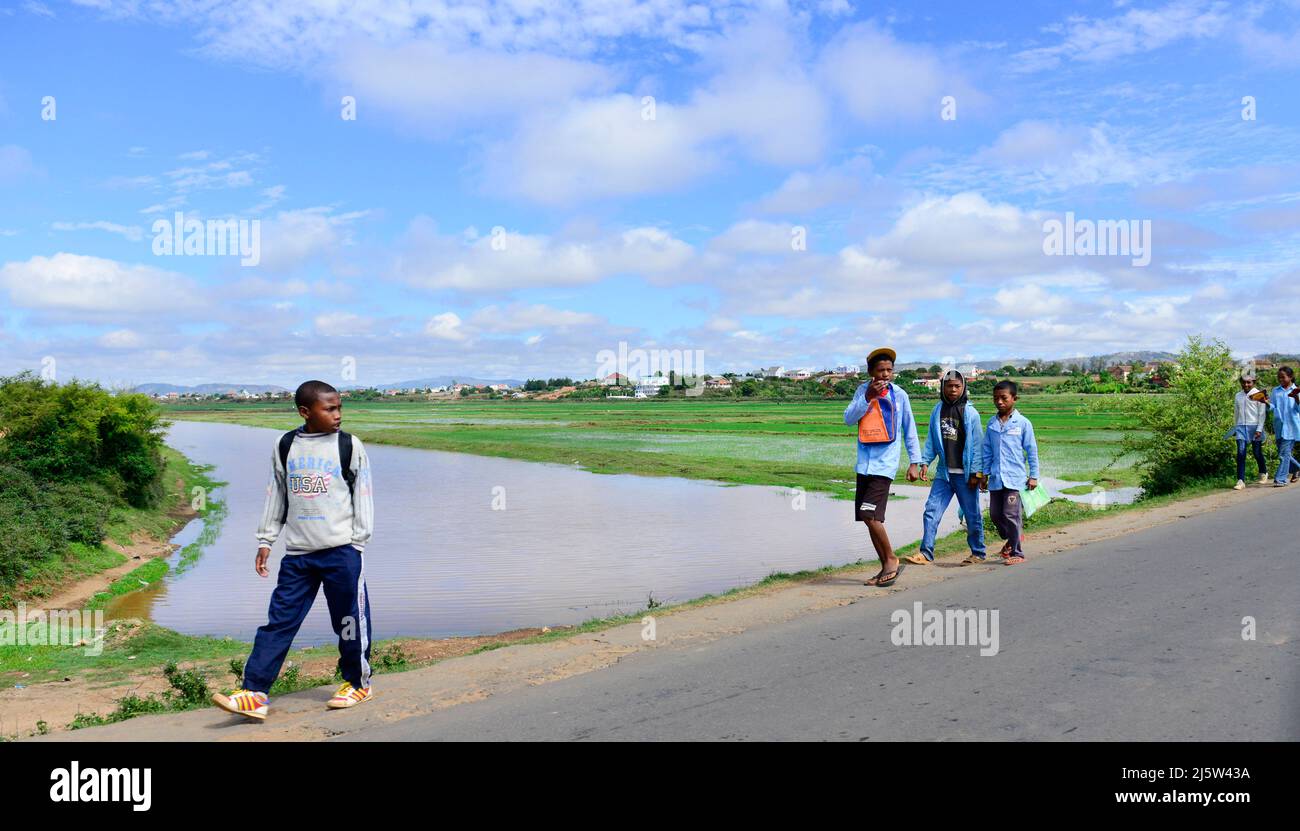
918 560
971 560
1014 560
883 580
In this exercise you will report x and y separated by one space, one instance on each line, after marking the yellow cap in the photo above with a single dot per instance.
882 352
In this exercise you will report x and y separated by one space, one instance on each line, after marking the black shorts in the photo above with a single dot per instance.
873 493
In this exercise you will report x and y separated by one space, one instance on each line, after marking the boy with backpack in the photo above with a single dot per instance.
883 415
320 496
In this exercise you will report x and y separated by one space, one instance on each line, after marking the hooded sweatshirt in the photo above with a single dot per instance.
323 511
952 423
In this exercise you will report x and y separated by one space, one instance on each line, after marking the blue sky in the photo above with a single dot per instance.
672 231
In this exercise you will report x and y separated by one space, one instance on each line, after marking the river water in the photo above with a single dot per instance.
568 546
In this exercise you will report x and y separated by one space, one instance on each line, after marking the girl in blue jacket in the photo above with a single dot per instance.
955 438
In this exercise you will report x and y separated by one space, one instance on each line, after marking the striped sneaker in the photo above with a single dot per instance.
244 703
348 696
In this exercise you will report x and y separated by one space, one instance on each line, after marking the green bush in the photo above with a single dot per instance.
82 432
69 455
1181 439
37 523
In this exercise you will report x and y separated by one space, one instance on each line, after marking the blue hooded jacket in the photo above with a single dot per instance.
972 456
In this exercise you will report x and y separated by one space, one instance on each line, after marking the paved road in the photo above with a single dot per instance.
1134 638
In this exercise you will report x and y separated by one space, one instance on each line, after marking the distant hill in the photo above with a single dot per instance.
206 389
998 364
1083 360
1117 358
419 383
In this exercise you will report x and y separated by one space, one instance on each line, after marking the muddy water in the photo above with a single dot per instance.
568 545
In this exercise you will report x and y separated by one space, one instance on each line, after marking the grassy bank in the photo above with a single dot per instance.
126 525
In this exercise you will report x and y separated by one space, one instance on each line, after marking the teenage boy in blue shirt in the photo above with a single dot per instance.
878 462
1008 444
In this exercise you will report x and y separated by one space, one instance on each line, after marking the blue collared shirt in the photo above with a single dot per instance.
882 459
1007 446
1286 413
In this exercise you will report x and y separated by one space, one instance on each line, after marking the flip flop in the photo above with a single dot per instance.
884 584
917 560
1015 560
971 560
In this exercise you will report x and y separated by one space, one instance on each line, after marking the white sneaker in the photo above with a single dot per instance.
1240 486
1263 478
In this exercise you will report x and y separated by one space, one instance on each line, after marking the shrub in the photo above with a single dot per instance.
1181 438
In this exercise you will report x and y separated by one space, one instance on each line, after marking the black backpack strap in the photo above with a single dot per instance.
286 442
345 458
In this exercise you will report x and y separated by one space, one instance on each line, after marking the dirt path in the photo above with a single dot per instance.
446 684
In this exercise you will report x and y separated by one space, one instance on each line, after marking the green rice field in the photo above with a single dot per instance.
796 444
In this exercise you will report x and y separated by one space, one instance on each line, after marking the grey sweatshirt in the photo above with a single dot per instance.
322 511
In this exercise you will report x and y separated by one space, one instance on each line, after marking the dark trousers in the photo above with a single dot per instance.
341 573
1004 510
1258 447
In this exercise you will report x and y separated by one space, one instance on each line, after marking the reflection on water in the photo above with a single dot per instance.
569 545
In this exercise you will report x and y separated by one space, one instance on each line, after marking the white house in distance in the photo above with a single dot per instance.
646 387
799 374
773 371
718 383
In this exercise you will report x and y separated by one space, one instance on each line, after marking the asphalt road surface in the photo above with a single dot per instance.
1136 638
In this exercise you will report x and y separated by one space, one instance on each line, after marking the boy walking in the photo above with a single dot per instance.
955 438
1008 443
1286 424
320 496
883 416
1250 408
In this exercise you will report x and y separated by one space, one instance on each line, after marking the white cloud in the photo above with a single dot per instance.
807 191
413 82
80 284
133 233
445 326
1137 30
882 80
520 317
121 339
509 260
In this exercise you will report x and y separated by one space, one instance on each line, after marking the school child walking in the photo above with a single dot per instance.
320 497
1250 409
1008 444
957 443
882 414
